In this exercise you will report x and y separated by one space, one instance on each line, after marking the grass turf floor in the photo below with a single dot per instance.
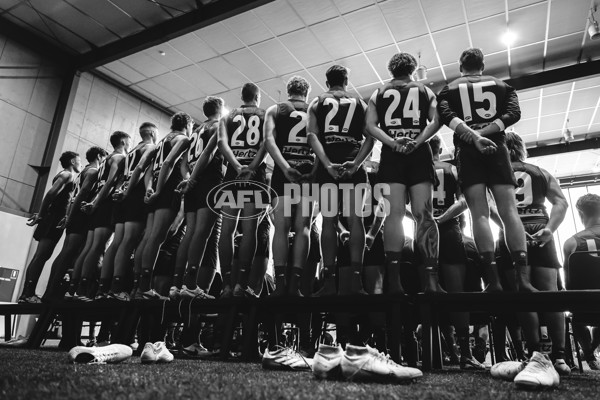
44 374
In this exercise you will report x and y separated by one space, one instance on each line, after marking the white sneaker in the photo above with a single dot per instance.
560 365
156 353
366 363
111 354
593 364
194 293
286 359
539 373
327 362
507 370
196 350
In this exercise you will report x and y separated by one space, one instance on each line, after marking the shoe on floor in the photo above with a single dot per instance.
19 341
367 363
121 296
196 350
81 298
594 364
238 291
327 362
250 293
68 296
196 293
539 373
286 359
153 295
174 293
111 354
471 364
35 299
156 353
507 370
561 367
227 292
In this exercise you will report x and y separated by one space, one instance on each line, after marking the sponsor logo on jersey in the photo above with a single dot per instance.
335 139
236 194
398 133
297 150
244 154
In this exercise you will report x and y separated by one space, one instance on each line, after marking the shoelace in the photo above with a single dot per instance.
290 352
103 358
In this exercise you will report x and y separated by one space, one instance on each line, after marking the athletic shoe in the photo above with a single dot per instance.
121 296
226 293
194 293
83 299
594 364
539 373
153 295
111 354
286 359
366 363
561 367
68 296
174 292
156 353
250 293
196 350
507 370
238 291
19 341
101 296
327 362
35 299
471 364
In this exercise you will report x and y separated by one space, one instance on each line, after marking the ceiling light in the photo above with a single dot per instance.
509 38
593 29
161 52
568 135
421 71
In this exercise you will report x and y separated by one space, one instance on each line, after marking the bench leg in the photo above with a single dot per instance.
427 344
250 335
395 330
41 328
437 356
7 327
229 327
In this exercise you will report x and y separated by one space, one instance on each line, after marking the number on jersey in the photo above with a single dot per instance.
300 126
196 146
524 192
439 194
479 96
252 131
158 159
411 106
348 104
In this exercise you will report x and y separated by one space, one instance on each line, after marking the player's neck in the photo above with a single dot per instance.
593 224
296 97
403 78
119 150
337 87
250 104
472 73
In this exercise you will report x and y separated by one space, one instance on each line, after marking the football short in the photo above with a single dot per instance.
375 255
103 216
407 169
198 198
451 246
168 198
278 180
133 208
47 227
79 223
538 257
489 169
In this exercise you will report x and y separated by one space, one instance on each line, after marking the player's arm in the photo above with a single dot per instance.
312 133
141 168
434 122
372 124
456 209
182 143
57 187
568 248
270 144
86 187
511 113
365 148
559 210
225 149
116 167
260 157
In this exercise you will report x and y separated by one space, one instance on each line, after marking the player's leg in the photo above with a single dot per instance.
90 262
64 260
36 266
163 218
476 196
132 233
139 254
181 260
393 236
300 246
210 256
514 234
228 228
282 224
350 281
329 249
108 261
256 280
78 266
247 248
427 234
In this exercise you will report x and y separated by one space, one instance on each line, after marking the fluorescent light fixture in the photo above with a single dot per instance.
508 38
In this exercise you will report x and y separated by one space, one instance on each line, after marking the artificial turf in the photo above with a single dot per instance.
43 374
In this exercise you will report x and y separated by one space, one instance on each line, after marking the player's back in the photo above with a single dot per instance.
198 142
444 193
402 109
61 201
340 119
477 100
531 192
587 240
290 128
244 131
162 151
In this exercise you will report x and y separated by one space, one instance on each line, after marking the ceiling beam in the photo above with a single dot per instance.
178 26
36 43
557 75
580 145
